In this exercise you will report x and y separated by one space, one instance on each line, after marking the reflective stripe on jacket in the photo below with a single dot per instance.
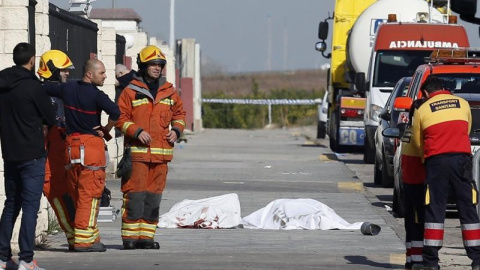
139 112
413 169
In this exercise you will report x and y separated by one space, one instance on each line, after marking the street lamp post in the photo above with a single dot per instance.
172 25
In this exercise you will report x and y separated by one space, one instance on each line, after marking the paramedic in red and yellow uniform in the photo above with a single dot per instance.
441 127
413 178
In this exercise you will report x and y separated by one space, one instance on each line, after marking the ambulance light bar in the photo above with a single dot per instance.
455 55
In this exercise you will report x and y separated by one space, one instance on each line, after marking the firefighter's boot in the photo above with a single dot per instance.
95 247
129 244
149 244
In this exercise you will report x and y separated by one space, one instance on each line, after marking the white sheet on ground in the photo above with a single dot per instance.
290 214
210 213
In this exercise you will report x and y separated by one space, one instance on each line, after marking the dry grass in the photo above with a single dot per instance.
241 84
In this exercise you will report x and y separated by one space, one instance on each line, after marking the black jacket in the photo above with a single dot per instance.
83 103
24 108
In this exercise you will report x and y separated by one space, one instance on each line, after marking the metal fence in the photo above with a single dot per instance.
268 102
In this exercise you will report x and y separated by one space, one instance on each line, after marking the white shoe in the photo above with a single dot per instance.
23 265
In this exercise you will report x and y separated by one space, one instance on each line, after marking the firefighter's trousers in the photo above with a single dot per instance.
55 188
86 179
142 194
450 173
414 219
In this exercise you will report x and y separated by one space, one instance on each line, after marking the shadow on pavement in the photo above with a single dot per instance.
352 161
362 260
313 145
385 198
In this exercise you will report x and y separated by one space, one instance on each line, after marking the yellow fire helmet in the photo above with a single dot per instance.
59 59
150 55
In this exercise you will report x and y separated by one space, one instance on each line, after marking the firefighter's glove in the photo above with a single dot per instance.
54 70
124 170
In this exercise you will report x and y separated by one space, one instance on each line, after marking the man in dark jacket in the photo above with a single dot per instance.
25 113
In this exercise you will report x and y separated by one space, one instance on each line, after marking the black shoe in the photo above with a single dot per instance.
96 247
129 244
70 247
147 245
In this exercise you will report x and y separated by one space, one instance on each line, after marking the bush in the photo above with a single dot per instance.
245 116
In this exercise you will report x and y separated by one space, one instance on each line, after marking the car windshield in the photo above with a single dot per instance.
390 66
467 86
461 83
475 119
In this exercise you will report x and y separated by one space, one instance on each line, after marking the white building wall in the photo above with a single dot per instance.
107 49
13 30
170 55
136 39
140 41
188 58
121 25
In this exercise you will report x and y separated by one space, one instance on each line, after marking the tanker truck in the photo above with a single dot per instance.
385 42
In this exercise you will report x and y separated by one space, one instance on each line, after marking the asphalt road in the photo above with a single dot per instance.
261 166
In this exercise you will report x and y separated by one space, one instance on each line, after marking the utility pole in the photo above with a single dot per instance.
269 61
113 3
285 45
172 25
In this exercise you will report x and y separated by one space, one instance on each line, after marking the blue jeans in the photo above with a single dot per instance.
23 188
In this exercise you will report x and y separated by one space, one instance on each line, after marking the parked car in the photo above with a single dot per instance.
385 147
461 76
322 117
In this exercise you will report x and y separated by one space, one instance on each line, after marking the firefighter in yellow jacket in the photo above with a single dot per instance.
149 105
441 126
55 68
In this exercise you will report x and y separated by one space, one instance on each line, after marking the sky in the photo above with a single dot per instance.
235 35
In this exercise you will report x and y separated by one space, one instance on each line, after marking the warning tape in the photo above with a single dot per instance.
261 101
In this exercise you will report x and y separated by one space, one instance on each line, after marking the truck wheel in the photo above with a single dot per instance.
333 133
334 137
368 152
321 130
387 181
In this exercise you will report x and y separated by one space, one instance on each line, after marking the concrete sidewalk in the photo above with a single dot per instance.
260 166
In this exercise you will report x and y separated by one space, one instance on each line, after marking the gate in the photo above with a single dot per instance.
74 35
31 21
120 50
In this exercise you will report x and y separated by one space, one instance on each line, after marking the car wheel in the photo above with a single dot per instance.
377 175
321 130
368 152
400 202
387 180
395 200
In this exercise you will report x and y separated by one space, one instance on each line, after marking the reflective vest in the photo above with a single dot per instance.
140 112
